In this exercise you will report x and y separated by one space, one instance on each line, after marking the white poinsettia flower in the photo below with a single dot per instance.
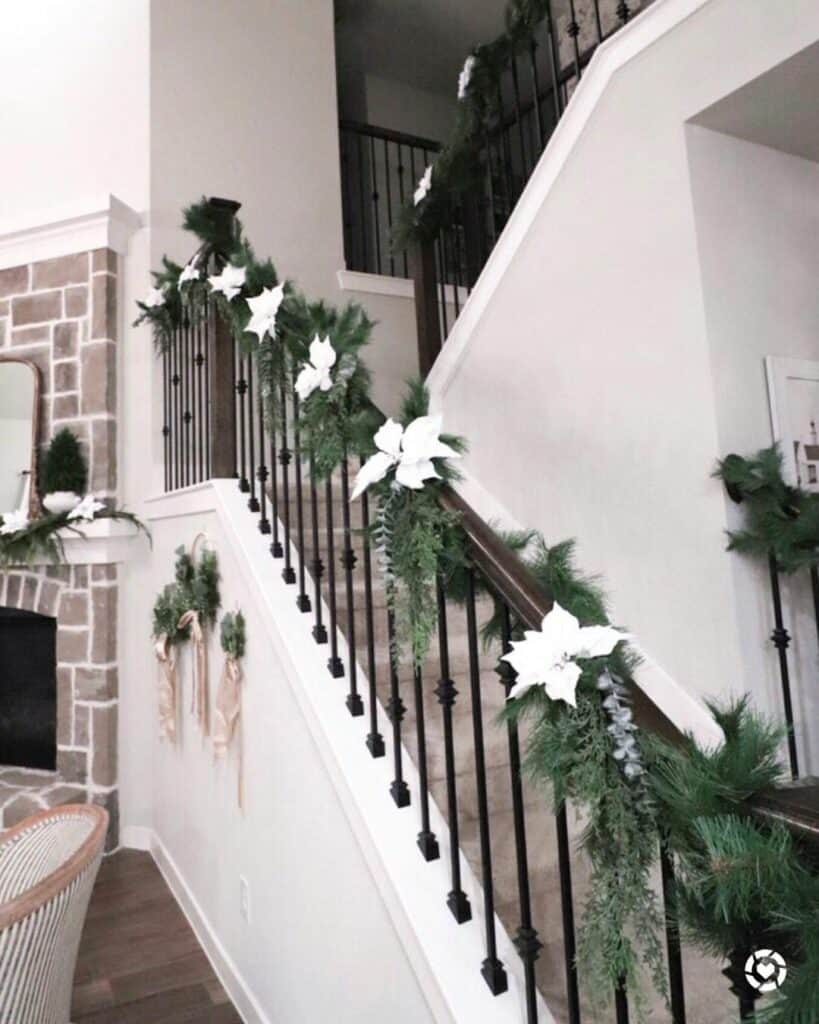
409 450
230 282
87 509
190 273
316 374
264 309
547 657
466 75
154 298
13 522
424 185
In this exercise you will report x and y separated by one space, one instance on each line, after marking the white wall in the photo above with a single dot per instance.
74 116
403 108
583 377
320 944
757 219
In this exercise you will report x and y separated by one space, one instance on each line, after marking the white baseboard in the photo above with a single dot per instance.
138 837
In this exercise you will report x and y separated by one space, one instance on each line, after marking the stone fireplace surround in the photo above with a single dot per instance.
60 313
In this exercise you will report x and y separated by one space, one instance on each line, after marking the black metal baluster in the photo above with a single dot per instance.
186 394
241 390
319 632
567 911
166 412
348 560
574 31
334 663
276 549
455 255
746 997
554 60
427 843
362 204
253 501
490 170
519 117
781 640
375 199
402 196
399 790
676 987
526 940
262 472
456 900
285 455
389 204
375 741
177 411
209 329
492 969
814 586
621 1003
540 137
200 391
347 211
505 155
623 12
439 241
598 21
302 601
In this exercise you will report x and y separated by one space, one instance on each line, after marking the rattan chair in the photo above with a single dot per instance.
48 864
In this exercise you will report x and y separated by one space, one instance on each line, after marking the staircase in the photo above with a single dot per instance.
708 1000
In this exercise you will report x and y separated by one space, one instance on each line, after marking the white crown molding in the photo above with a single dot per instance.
104 222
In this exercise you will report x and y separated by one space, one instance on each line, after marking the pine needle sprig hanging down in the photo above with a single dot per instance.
781 520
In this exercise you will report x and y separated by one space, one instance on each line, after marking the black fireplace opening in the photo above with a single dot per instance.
28 689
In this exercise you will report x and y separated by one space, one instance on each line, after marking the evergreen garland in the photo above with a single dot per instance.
40 540
742 883
195 587
233 635
416 539
592 755
781 520
458 168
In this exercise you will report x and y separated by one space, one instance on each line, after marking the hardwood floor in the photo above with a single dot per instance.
139 961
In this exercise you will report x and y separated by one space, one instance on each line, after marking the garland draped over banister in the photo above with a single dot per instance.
570 678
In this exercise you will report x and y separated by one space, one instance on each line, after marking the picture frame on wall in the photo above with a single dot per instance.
793 392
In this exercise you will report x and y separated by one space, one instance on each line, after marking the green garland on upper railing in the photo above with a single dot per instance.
456 168
570 679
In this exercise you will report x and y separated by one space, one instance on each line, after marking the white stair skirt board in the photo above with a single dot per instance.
630 41
445 956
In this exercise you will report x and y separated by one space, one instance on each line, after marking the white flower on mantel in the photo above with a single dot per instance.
230 282
424 185
13 522
547 657
264 309
465 76
316 374
87 509
411 451
190 273
155 297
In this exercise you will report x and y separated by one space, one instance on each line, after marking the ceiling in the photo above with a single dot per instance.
779 109
420 42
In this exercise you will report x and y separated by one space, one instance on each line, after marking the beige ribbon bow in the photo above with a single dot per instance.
199 694
166 658
227 714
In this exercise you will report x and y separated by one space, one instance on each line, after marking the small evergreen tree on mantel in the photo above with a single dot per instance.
64 467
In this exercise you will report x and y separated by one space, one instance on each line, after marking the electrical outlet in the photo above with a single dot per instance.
244 898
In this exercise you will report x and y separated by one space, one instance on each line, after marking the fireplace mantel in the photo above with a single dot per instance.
103 542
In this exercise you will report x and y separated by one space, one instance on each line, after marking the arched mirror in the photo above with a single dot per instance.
19 436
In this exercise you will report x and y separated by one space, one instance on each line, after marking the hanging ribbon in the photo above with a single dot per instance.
199 693
227 715
166 658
